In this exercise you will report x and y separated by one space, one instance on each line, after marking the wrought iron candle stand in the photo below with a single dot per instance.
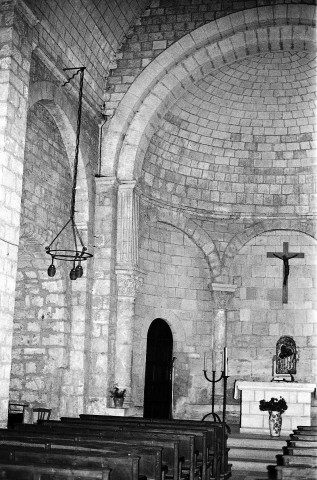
213 381
216 418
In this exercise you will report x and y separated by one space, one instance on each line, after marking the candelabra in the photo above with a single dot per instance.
224 376
225 428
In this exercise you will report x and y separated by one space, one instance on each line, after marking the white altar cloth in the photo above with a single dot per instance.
296 395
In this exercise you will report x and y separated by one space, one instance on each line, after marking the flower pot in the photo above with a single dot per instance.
275 423
118 402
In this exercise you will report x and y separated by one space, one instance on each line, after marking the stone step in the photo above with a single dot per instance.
257 441
249 465
266 454
245 475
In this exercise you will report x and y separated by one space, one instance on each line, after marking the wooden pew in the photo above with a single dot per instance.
150 464
303 459
300 472
299 458
205 439
83 439
305 436
122 466
216 442
22 471
186 438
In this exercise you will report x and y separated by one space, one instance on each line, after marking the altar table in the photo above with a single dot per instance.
296 395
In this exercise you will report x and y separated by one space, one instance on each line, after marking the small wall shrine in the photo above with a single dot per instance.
284 361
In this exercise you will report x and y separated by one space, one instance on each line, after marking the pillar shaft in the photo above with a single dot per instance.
129 278
221 296
100 343
16 47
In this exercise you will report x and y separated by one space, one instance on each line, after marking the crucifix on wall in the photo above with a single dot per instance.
285 256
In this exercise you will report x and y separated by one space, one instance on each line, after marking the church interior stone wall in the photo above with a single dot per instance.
196 159
42 308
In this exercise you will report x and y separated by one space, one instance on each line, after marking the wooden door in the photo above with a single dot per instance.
158 371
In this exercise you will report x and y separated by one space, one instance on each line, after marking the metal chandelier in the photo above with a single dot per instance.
78 253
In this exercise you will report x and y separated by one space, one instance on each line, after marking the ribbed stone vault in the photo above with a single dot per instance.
231 143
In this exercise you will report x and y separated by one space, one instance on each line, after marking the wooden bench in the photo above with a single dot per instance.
23 471
205 439
301 472
150 464
218 452
215 441
54 437
299 458
185 437
121 465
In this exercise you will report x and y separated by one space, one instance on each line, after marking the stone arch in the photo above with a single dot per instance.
189 227
173 321
226 40
259 228
65 117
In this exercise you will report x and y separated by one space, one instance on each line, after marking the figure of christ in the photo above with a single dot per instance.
285 256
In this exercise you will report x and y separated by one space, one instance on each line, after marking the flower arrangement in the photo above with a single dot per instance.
273 405
115 392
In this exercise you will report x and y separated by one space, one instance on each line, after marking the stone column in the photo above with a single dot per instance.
221 296
16 36
129 278
101 328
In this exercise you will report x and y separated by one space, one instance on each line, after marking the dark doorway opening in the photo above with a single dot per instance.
158 371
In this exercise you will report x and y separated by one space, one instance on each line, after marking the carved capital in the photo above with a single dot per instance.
222 293
129 282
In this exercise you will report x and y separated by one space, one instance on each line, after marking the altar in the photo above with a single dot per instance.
296 395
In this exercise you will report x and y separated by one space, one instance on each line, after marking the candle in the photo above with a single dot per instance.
225 361
204 360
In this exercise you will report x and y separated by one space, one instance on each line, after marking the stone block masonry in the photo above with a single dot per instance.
15 40
42 310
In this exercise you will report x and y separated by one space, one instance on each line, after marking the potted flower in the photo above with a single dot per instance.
275 407
117 395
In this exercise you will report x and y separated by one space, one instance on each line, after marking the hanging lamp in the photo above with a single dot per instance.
78 253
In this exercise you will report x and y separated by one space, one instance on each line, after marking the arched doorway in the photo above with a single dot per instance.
158 371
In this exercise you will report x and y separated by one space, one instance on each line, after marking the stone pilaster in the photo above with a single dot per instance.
128 223
129 279
16 37
221 296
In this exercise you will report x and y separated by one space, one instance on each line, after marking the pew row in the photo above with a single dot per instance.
214 454
152 450
206 442
218 453
150 465
122 466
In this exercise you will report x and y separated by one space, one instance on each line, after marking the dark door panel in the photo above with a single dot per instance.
158 371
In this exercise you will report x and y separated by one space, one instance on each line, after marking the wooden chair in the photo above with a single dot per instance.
42 414
16 413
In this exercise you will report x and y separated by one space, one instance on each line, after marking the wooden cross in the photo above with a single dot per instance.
285 256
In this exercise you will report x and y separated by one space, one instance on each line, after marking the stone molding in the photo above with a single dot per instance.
27 13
